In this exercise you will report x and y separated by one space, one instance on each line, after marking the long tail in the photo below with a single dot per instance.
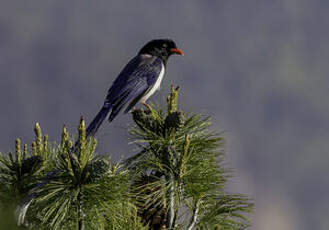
90 131
98 120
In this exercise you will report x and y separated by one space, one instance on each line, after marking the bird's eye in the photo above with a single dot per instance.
165 45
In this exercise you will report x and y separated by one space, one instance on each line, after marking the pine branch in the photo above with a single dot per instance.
171 214
87 192
186 157
194 216
79 211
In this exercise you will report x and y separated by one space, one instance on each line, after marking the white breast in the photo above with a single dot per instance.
155 87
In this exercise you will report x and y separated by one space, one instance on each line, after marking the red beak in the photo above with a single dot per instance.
176 51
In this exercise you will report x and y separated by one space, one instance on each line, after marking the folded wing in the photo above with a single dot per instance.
134 81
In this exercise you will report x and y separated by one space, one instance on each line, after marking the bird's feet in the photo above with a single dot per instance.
147 106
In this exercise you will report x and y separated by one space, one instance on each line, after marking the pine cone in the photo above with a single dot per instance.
145 120
174 120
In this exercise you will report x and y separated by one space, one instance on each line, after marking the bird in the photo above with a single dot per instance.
138 80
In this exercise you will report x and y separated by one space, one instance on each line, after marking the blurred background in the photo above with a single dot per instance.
259 68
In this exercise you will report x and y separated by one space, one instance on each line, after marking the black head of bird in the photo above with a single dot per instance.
161 48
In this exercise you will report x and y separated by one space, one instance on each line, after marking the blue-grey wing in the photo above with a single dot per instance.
139 75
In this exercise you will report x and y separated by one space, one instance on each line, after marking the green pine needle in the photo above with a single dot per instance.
175 181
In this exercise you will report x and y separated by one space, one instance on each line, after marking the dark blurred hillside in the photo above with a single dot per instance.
258 67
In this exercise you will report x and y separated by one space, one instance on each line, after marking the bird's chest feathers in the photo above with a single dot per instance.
156 85
159 80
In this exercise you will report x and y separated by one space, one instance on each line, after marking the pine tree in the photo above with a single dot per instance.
178 177
18 174
175 181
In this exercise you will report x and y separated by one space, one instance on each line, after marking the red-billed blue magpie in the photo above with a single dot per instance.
138 80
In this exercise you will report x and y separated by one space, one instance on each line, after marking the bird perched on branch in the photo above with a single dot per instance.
138 80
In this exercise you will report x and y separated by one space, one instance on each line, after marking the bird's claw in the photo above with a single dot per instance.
147 106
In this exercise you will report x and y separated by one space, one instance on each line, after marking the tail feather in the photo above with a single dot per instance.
115 111
98 120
